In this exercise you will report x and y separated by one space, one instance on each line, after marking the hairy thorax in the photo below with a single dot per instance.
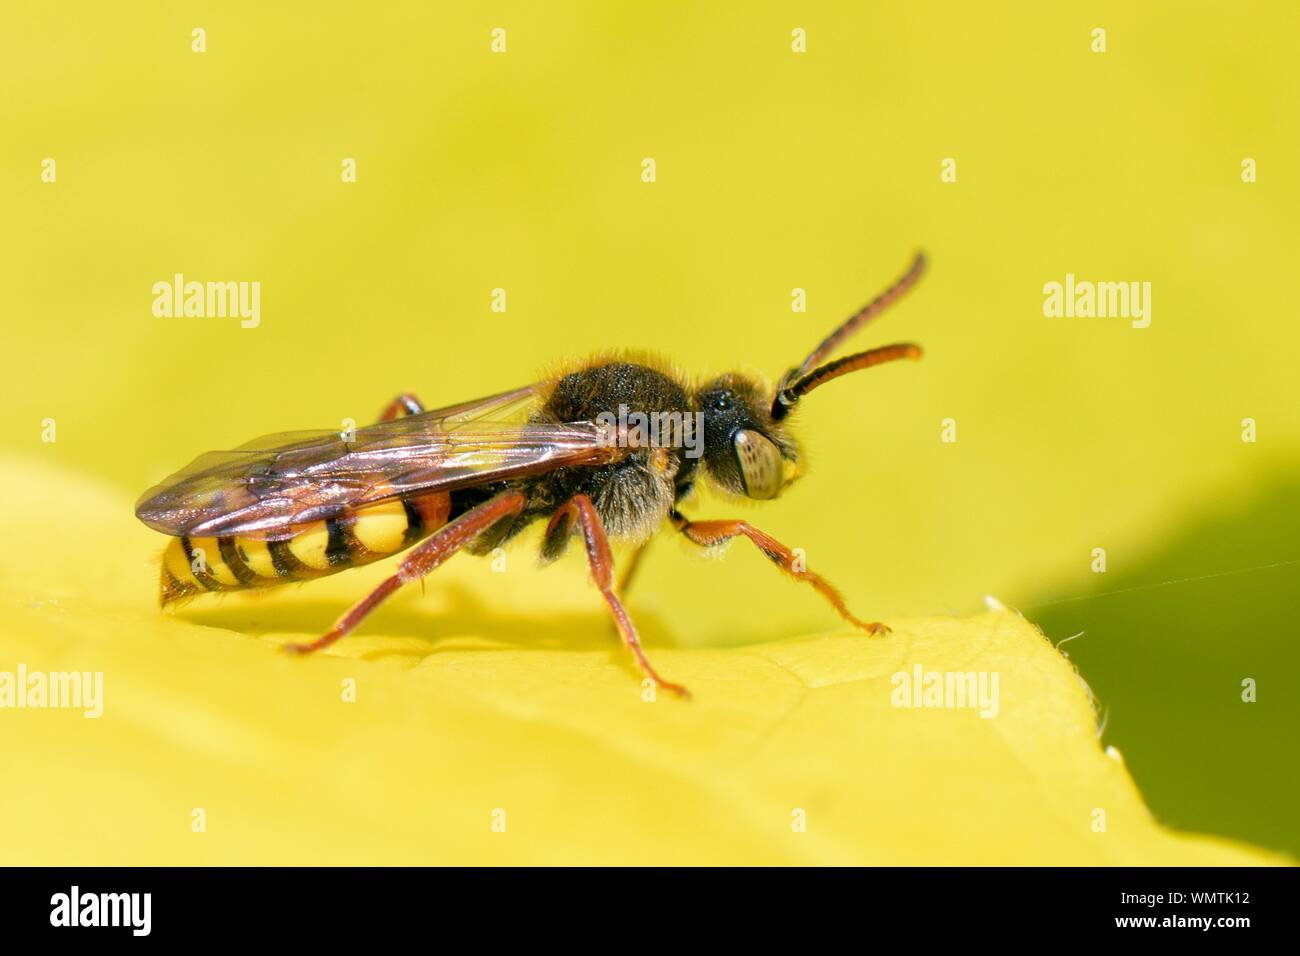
635 494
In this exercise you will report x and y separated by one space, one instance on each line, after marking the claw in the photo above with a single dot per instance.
299 649
676 690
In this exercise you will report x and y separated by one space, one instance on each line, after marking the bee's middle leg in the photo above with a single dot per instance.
404 404
601 560
709 533
629 570
440 546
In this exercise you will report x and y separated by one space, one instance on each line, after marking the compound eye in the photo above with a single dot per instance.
761 464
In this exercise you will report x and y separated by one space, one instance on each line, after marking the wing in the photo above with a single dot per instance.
273 486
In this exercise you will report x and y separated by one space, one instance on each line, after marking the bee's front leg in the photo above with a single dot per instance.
581 509
708 533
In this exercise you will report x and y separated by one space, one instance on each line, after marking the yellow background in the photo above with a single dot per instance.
774 171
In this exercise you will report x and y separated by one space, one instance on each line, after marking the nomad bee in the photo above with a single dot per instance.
575 450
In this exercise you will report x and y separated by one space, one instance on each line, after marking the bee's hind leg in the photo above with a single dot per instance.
709 533
404 404
601 560
444 542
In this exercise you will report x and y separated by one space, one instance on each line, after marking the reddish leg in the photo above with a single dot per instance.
580 508
708 533
629 572
445 542
404 404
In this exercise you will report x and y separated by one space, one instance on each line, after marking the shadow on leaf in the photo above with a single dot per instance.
1167 645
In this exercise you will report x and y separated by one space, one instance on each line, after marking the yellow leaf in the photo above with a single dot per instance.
496 720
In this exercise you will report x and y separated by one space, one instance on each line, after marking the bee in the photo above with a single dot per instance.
572 450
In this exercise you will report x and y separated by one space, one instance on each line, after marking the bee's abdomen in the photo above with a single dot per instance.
193 565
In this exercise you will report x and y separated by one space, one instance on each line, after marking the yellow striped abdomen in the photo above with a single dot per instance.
193 565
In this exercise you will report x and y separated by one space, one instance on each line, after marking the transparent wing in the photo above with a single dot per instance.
272 486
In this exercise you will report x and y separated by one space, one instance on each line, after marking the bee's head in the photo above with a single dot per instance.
746 451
